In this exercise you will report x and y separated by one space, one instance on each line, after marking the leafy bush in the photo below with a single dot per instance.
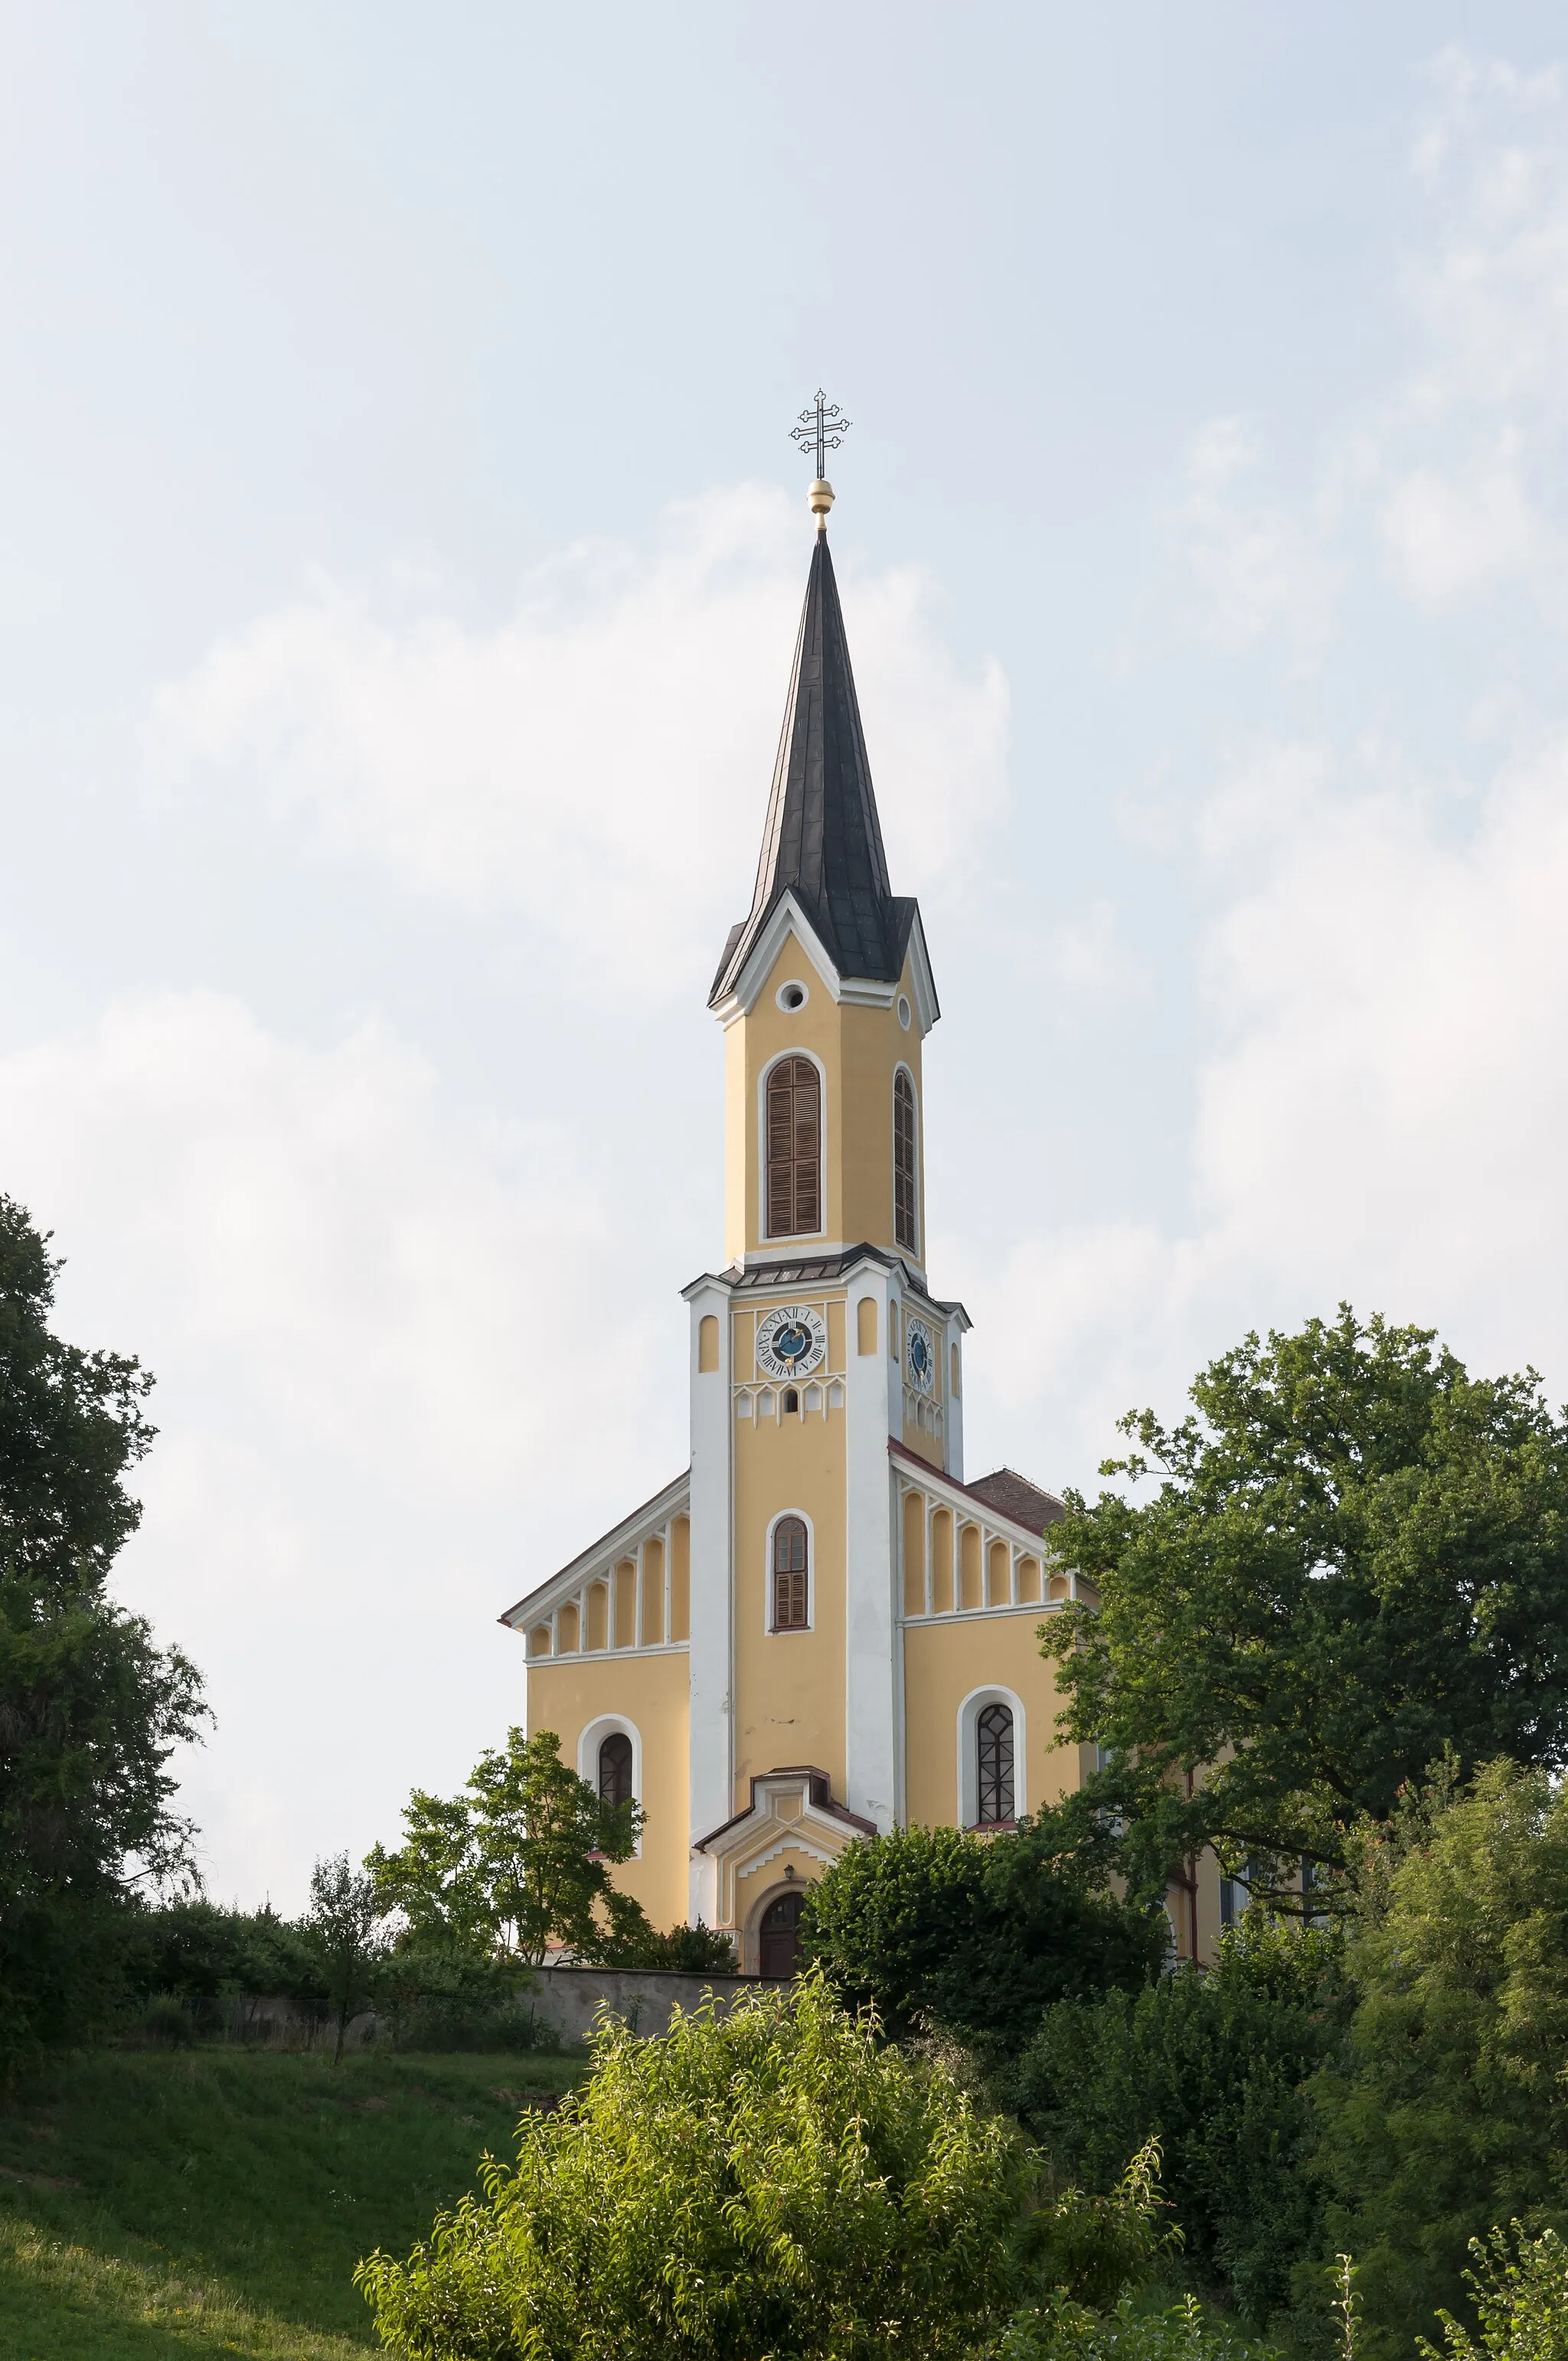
1522 2302
980 1934
1060 2330
771 2180
1449 2111
200 1952
1216 2066
697 1951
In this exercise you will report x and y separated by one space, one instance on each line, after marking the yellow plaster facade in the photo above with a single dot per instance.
819 1628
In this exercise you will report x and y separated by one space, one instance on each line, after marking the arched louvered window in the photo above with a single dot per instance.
993 1743
903 1228
791 1575
615 1768
795 1149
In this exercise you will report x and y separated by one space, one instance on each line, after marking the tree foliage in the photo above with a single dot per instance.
980 1934
1356 1556
517 1864
1449 2111
343 1926
1215 2066
769 2181
91 1710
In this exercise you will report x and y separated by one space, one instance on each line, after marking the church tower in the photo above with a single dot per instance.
820 1340
820 1629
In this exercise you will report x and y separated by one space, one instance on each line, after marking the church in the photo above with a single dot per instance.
821 1626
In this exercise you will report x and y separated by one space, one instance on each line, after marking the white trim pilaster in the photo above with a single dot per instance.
872 1384
711 1648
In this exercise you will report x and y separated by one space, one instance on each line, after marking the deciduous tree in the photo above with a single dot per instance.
516 1864
1356 1557
91 1710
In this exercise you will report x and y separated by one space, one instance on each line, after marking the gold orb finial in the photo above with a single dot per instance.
821 500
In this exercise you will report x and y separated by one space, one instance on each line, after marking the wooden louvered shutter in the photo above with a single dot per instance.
795 1149
790 1601
903 1230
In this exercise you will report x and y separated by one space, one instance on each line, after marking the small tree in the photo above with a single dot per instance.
343 1924
517 1864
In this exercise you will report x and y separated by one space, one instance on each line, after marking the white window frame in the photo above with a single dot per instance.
796 1631
970 1712
609 1725
763 1229
905 1069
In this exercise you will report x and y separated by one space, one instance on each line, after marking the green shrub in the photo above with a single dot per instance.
167 2023
1216 2066
1449 2112
1060 2330
697 1951
1522 2302
769 2181
980 1934
438 2023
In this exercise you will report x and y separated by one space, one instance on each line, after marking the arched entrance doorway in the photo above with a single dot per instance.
779 1935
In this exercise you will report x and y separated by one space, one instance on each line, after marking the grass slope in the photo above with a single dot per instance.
155 2207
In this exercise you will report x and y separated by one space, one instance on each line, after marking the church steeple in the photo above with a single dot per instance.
823 841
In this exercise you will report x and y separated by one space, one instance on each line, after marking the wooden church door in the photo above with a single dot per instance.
781 1935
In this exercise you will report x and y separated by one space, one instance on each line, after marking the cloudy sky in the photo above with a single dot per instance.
399 554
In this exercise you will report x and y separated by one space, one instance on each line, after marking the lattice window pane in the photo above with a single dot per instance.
994 1742
615 1768
904 1162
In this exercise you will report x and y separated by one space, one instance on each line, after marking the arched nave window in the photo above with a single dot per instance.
992 1756
795 1149
790 1576
903 1226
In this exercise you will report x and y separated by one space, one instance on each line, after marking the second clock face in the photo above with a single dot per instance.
920 1353
791 1341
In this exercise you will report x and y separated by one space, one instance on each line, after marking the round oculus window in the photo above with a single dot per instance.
904 1012
792 1341
791 996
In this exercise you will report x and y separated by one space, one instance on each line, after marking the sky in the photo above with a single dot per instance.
401 550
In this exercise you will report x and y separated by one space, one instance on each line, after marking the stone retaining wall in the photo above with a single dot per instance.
568 1999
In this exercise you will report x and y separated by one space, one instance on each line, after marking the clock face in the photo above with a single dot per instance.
791 1341
920 1353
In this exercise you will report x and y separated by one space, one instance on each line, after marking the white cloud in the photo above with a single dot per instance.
1382 1105
371 1264
1256 565
1379 1094
599 758
401 1376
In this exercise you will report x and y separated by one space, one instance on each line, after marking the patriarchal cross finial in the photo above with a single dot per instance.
821 427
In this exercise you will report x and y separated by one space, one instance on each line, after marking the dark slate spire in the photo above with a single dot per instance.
823 841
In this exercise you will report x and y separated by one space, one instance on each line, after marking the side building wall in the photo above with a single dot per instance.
571 1696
